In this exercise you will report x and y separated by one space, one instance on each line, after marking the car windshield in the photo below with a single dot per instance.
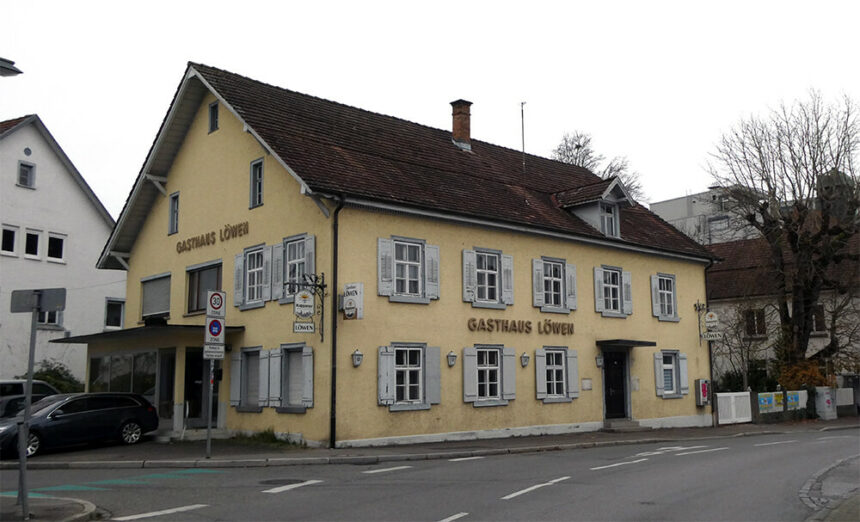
43 404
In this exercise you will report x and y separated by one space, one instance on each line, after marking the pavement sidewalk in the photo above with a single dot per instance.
238 453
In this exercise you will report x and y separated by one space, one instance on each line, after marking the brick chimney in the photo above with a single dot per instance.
461 133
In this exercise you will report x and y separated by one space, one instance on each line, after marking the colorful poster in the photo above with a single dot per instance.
793 400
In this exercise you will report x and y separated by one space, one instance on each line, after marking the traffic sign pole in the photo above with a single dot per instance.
213 349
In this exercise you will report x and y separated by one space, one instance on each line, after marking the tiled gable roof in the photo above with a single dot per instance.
8 125
583 194
745 269
335 148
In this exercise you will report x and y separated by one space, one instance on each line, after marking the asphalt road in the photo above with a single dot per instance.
746 478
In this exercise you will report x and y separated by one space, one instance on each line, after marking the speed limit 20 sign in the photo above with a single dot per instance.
215 304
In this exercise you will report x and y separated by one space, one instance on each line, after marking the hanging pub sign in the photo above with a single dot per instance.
353 301
303 306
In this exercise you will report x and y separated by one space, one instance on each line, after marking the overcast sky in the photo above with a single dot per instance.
658 82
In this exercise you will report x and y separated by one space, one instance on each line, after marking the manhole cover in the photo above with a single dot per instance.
280 482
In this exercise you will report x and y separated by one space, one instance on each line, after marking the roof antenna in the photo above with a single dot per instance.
523 122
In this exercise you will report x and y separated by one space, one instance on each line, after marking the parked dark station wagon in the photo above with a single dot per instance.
69 419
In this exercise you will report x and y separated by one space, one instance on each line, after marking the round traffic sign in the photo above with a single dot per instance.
215 328
215 301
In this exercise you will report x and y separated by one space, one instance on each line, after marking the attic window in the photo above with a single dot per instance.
213 117
609 219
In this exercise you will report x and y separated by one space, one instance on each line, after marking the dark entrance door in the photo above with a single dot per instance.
197 389
614 389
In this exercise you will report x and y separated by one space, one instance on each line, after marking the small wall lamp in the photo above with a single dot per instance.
524 359
452 358
357 357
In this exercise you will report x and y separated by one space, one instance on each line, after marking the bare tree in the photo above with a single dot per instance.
576 149
792 176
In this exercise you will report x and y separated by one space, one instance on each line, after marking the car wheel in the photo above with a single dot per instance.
130 432
34 443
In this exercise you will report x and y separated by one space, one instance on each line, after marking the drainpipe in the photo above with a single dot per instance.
334 283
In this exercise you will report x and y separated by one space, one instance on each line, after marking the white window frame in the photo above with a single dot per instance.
394 269
16 234
404 264
108 301
556 382
609 219
491 371
61 237
664 297
408 374
612 297
487 274
670 367
556 374
423 374
213 116
296 262
31 175
258 273
52 319
173 214
256 184
38 234
192 277
565 280
553 285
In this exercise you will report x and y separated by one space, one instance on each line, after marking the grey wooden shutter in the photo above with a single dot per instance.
540 373
385 376
537 282
470 374
572 374
655 296
277 271
310 254
308 377
470 277
275 368
598 289
235 378
433 382
658 373
508 279
267 274
239 279
385 266
431 271
509 373
263 378
682 371
570 286
627 291
674 298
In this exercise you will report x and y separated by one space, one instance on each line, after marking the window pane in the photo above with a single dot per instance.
99 374
31 247
113 316
8 240
143 380
120 373
55 247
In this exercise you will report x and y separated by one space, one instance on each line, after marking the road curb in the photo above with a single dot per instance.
821 506
375 459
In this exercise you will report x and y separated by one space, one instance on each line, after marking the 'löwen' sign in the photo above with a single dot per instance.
545 327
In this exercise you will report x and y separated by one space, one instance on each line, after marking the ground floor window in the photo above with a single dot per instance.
124 373
670 374
409 376
556 374
489 375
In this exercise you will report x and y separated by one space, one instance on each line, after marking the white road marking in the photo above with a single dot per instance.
386 469
162 512
661 451
775 443
700 451
461 459
532 488
618 464
281 489
836 437
454 517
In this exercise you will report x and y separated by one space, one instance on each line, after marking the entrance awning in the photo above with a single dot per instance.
143 332
623 343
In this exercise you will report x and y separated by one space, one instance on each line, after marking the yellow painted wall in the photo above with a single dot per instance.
443 323
211 173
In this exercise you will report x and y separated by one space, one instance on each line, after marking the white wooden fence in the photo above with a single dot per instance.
734 408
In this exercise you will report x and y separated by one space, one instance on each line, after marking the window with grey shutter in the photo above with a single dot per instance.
433 380
385 266
470 276
627 292
299 255
553 285
509 373
407 270
470 374
249 391
682 374
508 279
670 374
409 376
295 379
431 271
664 299
276 363
277 272
540 374
267 274
239 280
572 363
385 376
155 299
488 278
235 379
598 289
308 377
537 283
263 378
570 286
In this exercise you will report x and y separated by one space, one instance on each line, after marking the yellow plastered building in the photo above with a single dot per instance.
390 283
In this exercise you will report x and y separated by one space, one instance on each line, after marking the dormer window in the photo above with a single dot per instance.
609 219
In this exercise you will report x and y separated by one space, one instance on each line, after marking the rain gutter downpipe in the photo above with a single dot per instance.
334 316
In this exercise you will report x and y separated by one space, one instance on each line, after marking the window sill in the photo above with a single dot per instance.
408 299
29 187
409 407
554 310
54 327
9 254
556 400
252 207
287 300
249 409
667 319
194 314
55 260
614 315
32 257
493 306
112 328
489 403
291 409
252 306
672 396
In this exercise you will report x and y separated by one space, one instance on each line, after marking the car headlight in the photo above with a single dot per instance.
4 428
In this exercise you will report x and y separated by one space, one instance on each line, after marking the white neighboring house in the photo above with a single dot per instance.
53 230
704 216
